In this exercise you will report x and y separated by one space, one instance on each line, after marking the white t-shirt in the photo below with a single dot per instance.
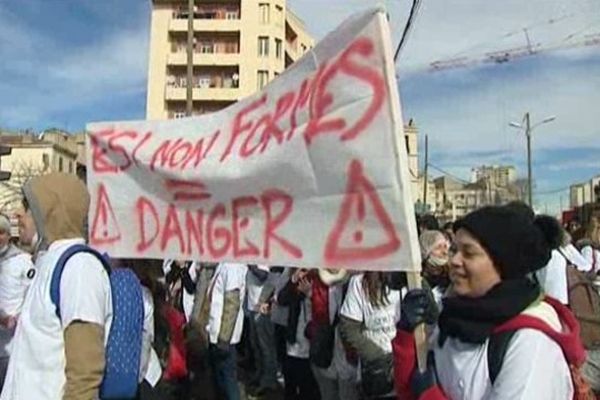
227 277
37 362
254 287
534 367
379 322
16 274
576 258
553 277
150 369
187 298
592 256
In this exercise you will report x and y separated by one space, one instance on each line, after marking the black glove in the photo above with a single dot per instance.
418 306
377 376
420 382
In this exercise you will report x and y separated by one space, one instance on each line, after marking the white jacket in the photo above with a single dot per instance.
37 364
534 366
16 274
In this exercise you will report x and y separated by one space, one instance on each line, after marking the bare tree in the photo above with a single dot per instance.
22 171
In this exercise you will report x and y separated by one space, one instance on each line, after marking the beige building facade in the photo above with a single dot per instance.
417 180
239 46
585 192
498 176
456 199
32 155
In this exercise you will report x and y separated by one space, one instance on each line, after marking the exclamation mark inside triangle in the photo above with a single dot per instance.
346 243
105 229
358 233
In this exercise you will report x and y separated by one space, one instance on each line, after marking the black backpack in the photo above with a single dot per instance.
497 348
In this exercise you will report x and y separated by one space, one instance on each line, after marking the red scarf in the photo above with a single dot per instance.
320 302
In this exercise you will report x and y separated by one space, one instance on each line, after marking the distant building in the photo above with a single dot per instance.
493 185
497 176
239 46
417 181
32 155
584 193
455 199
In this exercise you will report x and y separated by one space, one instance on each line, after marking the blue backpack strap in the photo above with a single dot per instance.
60 266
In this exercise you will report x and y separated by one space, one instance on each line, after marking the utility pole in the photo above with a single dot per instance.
189 106
425 179
529 176
561 203
528 128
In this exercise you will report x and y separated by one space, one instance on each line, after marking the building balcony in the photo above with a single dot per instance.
208 25
208 11
180 59
173 93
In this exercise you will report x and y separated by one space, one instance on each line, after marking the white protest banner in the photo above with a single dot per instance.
312 171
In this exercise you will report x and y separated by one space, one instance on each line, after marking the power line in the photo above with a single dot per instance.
449 174
553 191
414 9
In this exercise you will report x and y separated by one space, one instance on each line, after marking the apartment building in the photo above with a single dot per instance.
239 46
456 199
583 193
498 176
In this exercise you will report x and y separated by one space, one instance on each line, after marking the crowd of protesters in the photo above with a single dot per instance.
496 304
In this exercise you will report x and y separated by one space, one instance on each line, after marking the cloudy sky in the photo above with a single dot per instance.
68 62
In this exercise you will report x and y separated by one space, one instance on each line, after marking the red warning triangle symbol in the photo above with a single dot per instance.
346 241
105 228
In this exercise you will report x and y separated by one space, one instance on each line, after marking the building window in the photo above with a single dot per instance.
207 47
60 164
204 81
45 161
262 79
232 13
279 15
264 13
278 48
263 46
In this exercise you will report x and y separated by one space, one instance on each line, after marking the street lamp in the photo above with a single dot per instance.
528 129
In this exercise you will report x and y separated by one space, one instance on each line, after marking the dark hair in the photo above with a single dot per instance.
429 222
550 227
522 208
376 287
448 226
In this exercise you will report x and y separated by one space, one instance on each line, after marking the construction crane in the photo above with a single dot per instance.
514 53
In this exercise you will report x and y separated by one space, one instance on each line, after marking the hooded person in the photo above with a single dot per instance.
497 336
16 273
52 357
434 253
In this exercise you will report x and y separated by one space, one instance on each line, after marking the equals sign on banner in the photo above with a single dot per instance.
186 190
